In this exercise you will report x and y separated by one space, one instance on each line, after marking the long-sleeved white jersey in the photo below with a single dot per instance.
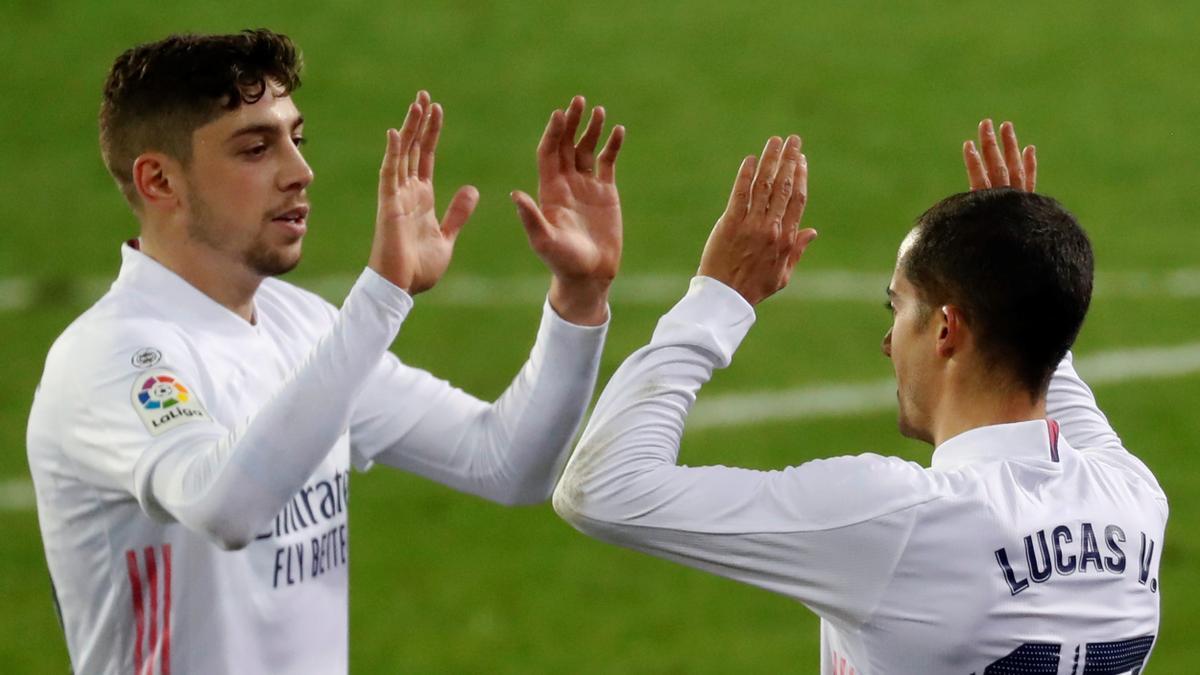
1019 551
192 469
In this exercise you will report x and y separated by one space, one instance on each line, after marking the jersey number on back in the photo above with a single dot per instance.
1100 658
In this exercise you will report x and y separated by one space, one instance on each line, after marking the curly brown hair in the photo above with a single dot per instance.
157 94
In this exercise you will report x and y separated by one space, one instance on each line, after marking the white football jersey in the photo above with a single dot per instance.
156 367
1021 550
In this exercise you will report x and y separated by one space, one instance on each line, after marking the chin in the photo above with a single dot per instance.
274 263
910 430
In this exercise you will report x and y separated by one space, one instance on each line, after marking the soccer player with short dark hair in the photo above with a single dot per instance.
1030 545
193 432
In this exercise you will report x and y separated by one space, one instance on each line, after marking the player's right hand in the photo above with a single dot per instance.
756 243
411 248
1010 168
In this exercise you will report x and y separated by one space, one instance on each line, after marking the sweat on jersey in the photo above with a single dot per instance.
1019 551
192 469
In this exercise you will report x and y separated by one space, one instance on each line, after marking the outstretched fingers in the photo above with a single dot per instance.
566 143
429 141
764 180
462 205
408 136
1029 157
739 197
784 184
585 150
389 171
976 174
993 160
799 198
1012 156
547 151
608 156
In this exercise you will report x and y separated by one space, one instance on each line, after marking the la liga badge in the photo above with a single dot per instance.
163 402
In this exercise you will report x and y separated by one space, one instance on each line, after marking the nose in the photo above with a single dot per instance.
886 345
296 174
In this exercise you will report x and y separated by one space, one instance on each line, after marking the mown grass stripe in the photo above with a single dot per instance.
465 290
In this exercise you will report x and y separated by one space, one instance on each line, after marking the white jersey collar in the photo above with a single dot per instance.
1037 440
172 295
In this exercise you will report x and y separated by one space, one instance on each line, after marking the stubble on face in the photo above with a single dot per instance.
259 256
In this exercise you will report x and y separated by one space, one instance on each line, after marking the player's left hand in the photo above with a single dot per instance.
575 227
1010 168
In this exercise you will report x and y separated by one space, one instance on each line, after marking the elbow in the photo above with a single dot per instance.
567 498
225 530
227 535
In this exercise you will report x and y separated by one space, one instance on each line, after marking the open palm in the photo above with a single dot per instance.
576 230
412 249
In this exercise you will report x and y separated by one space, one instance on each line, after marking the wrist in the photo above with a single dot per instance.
582 302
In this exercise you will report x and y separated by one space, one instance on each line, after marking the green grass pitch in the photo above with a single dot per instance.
883 94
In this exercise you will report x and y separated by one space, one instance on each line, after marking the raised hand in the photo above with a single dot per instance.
411 248
575 226
1010 168
756 243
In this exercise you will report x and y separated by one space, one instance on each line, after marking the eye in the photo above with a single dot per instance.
887 304
299 141
256 150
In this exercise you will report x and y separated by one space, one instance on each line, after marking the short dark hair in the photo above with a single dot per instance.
1018 265
158 93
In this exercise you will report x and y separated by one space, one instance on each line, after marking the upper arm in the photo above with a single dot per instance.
827 532
115 398
408 418
1071 403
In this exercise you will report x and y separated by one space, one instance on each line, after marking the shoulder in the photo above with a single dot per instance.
1124 466
851 489
114 336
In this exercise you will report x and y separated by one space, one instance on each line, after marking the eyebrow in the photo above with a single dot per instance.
890 293
264 128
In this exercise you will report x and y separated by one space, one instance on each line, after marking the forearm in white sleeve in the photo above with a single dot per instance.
798 531
1071 403
509 451
229 487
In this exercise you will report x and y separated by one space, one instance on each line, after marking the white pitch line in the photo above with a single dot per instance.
16 494
841 400
837 400
465 290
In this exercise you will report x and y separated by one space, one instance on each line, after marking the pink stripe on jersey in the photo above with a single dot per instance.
166 637
152 579
1053 427
135 588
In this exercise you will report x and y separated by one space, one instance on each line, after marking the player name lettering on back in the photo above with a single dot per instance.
1063 550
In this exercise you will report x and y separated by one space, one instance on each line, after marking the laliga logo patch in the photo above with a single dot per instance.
163 402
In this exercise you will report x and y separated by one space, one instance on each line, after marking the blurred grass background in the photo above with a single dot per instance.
883 94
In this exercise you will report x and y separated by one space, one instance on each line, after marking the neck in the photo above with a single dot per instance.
971 401
211 272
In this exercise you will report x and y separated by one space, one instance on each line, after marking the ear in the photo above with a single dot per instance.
158 180
952 330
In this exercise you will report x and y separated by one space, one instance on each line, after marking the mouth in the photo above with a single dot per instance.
294 219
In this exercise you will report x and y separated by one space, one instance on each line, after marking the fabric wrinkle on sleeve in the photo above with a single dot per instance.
229 486
509 451
827 532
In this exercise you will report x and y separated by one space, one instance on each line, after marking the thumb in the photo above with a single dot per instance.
803 239
462 205
536 225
